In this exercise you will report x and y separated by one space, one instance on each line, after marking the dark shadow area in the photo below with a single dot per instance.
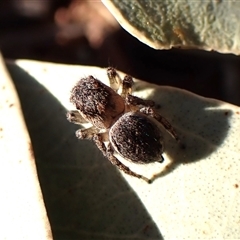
85 198
199 122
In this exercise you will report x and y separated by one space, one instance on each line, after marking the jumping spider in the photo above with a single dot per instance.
122 120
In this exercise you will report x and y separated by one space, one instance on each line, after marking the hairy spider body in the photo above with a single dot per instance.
124 122
97 103
136 138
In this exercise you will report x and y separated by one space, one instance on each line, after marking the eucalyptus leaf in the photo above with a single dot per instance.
196 191
204 24
22 211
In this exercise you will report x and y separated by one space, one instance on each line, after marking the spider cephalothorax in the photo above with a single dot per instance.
124 121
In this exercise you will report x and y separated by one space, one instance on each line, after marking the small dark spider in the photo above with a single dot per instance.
123 121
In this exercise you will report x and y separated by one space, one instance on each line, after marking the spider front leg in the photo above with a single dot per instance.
150 112
114 78
85 133
75 117
124 87
108 152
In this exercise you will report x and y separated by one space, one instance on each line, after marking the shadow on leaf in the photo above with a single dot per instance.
85 196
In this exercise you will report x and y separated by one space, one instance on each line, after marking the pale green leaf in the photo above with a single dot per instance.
208 24
196 193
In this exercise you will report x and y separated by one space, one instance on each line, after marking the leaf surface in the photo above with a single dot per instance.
208 25
196 191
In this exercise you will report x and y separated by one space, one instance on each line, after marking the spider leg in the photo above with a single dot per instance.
114 78
150 112
86 133
127 84
117 84
75 117
133 100
108 152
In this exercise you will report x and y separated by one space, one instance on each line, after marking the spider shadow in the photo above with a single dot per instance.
84 195
202 124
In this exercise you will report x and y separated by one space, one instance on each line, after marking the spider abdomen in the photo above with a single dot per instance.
137 138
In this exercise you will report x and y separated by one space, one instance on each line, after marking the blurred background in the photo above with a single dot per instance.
84 32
